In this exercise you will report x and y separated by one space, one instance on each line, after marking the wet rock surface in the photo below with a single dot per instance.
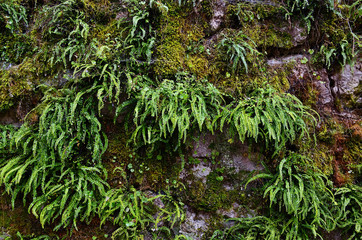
348 79
219 8
348 85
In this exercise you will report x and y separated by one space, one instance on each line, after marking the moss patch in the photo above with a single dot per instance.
261 23
178 40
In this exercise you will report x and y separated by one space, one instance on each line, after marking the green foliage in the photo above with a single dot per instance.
304 9
176 107
328 54
303 194
7 132
277 118
355 12
255 228
13 43
236 50
343 53
73 196
133 213
173 107
72 48
301 204
129 210
111 62
349 199
140 39
32 237
57 21
55 164
58 161
12 16
65 25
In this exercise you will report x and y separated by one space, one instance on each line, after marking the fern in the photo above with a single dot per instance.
349 216
303 194
71 197
259 227
236 50
13 16
269 115
58 162
131 211
6 134
56 22
174 107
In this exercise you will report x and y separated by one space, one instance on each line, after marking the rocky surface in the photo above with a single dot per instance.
216 167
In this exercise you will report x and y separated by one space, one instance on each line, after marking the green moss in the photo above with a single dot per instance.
245 12
99 11
198 66
260 22
267 36
333 28
14 48
170 58
207 9
279 79
324 159
212 195
177 37
14 83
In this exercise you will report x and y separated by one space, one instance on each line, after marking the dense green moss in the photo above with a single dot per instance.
180 46
262 23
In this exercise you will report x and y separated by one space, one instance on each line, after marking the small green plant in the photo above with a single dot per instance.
6 133
349 199
236 50
12 16
57 21
269 115
302 8
32 237
259 227
132 212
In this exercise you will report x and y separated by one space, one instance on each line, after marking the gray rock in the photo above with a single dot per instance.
297 32
201 171
302 72
284 60
219 8
234 156
5 65
348 79
196 224
323 86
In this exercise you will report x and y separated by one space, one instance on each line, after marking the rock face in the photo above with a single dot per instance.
348 79
298 33
347 83
219 8
215 161
235 157
196 224
303 73
216 167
